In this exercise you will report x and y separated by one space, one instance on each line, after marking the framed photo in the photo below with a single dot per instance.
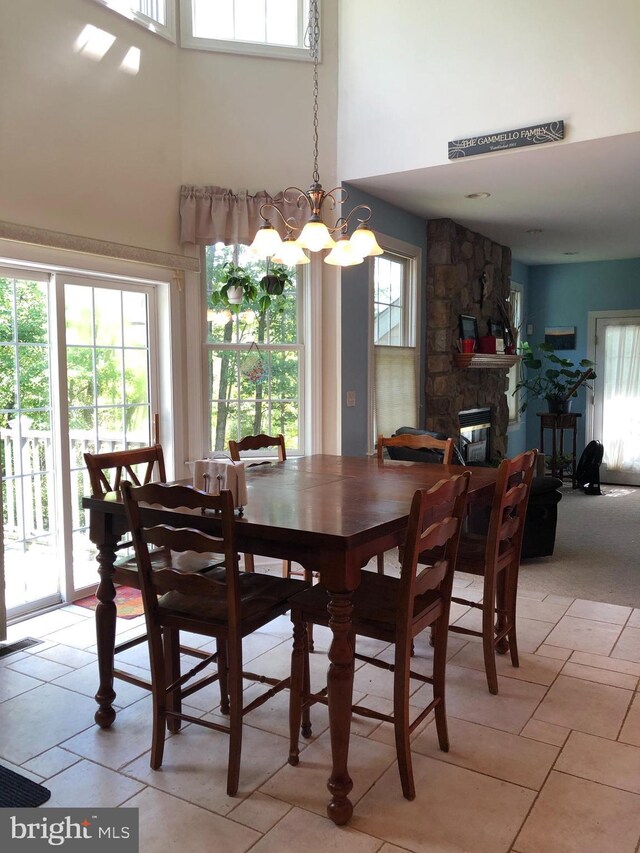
561 337
496 328
468 326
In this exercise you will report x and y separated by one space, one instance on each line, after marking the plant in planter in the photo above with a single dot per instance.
236 286
273 283
552 377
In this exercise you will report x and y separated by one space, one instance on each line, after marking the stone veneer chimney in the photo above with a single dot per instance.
456 260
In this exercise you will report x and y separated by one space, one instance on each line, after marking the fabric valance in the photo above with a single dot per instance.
216 215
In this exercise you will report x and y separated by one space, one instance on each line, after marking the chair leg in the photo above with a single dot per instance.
502 620
298 654
380 562
172 668
159 698
221 648
401 719
249 565
511 605
488 637
286 568
308 576
234 649
440 633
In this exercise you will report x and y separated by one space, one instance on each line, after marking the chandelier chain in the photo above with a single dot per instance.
313 37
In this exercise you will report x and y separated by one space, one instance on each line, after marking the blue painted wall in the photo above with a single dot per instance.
394 222
562 295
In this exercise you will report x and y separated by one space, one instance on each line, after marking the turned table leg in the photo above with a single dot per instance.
340 695
105 635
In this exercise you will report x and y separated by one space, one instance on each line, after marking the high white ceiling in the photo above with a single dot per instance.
584 197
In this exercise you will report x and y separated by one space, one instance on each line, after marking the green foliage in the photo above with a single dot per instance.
232 275
549 376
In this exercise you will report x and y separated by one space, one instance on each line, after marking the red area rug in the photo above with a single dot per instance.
128 602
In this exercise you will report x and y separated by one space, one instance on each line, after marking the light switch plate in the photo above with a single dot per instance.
351 398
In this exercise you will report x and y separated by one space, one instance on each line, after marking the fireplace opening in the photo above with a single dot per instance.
475 435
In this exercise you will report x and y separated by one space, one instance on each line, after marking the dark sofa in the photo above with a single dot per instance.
542 513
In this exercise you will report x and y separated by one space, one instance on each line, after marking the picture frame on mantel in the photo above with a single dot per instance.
468 327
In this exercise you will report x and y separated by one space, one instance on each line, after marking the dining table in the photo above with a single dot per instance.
332 515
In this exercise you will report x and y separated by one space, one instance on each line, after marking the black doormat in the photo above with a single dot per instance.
18 792
10 648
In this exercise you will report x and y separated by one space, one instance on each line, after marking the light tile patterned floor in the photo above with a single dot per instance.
549 765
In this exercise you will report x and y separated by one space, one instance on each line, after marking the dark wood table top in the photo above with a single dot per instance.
312 508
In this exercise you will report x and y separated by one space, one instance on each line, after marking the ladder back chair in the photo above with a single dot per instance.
394 610
107 472
225 606
496 557
414 442
260 442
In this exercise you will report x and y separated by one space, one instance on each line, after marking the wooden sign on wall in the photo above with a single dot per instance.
537 134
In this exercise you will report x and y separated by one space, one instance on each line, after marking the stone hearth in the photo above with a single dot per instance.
456 260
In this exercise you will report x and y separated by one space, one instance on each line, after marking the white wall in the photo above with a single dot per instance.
415 74
89 150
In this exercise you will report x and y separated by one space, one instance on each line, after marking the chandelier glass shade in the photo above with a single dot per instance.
316 235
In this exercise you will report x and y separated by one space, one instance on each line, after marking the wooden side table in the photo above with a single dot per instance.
558 423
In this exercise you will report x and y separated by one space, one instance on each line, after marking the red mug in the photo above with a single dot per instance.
487 344
467 345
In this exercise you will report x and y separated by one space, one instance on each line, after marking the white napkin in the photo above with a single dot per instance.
212 475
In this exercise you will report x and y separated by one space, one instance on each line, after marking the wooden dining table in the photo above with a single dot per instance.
331 514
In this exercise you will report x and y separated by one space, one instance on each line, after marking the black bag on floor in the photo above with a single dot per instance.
588 470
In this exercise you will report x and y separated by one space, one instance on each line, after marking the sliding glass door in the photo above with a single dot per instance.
76 361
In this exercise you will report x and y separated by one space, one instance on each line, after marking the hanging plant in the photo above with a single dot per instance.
236 287
275 279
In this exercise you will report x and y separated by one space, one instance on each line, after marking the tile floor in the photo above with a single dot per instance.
551 764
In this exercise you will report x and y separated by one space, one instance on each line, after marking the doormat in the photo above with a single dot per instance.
10 648
128 602
18 792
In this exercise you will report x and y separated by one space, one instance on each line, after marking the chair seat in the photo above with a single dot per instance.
375 602
259 594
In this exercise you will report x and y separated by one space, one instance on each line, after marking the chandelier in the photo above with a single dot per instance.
316 234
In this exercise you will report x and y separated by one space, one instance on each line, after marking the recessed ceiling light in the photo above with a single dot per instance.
534 230
571 253
478 195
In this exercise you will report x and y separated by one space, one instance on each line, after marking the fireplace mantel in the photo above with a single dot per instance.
484 360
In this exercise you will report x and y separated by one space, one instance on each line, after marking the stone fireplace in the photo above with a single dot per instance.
466 274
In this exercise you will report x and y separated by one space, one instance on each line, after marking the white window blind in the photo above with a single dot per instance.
396 388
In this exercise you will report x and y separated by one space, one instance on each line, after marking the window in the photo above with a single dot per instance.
395 354
515 310
254 361
265 27
155 15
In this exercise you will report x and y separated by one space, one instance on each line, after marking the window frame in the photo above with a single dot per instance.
237 46
513 375
412 313
166 31
305 437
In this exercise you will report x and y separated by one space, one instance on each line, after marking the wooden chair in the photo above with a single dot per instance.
260 442
496 557
414 442
107 472
393 610
227 607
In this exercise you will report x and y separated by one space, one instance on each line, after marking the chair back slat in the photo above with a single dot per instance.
446 502
178 541
509 508
107 470
418 442
258 442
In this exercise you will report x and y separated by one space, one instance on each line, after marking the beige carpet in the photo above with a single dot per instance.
597 552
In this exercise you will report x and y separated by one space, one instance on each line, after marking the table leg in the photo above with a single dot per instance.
105 635
340 695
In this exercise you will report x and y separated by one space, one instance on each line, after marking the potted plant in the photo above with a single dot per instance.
552 377
275 279
236 286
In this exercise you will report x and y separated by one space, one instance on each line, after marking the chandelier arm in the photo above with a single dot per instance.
361 220
289 222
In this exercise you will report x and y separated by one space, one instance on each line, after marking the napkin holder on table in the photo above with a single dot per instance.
215 475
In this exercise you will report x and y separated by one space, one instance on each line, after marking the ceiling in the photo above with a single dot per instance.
581 198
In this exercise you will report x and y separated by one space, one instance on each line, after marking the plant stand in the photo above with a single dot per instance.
558 423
